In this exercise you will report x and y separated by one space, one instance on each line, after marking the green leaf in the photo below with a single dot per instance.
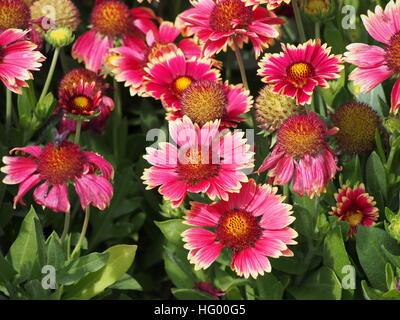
176 271
45 107
55 253
320 285
369 242
376 175
269 287
120 260
7 272
191 294
35 291
370 293
78 268
390 279
172 229
27 252
392 258
127 282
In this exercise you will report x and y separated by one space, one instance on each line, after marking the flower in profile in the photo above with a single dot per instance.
18 58
112 22
169 76
302 154
273 109
356 207
133 57
205 160
219 23
60 37
375 64
209 289
206 100
395 98
57 165
253 224
296 71
357 123
271 4
14 14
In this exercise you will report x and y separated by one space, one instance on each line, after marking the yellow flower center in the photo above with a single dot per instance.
298 73
354 218
181 84
81 102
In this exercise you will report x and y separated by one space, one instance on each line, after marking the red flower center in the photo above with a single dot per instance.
299 72
14 14
204 101
195 166
60 164
228 15
302 135
238 230
393 53
111 18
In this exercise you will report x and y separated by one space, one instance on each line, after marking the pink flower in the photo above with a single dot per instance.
253 224
18 58
136 53
172 74
395 98
218 23
208 288
205 101
296 71
111 21
376 64
302 154
59 165
271 4
204 160
356 207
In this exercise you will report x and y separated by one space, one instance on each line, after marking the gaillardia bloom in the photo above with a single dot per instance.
273 109
302 153
357 123
18 58
376 64
205 160
59 165
206 100
356 207
111 20
253 224
169 76
395 98
296 71
271 4
133 57
14 14
219 23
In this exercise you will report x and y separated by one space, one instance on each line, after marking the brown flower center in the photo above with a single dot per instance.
298 73
228 15
393 53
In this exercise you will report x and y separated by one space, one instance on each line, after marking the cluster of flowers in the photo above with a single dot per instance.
175 62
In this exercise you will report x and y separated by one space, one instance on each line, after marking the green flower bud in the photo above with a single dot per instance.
60 37
319 10
393 228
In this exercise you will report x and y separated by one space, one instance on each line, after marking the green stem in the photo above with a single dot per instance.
67 222
241 65
299 23
317 30
8 111
50 74
390 159
117 116
78 131
83 233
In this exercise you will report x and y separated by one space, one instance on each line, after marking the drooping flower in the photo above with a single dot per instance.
169 76
271 4
395 98
376 64
205 160
296 71
132 58
356 207
206 100
111 21
253 224
18 59
57 166
208 288
302 154
273 109
357 123
219 23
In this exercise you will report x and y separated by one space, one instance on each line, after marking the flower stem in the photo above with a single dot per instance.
317 30
8 111
299 23
78 131
83 233
240 64
67 222
50 74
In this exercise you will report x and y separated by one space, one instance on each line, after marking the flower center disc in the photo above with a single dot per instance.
300 136
111 18
393 53
76 75
197 167
238 230
180 84
354 218
14 14
228 15
298 73
59 165
204 101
